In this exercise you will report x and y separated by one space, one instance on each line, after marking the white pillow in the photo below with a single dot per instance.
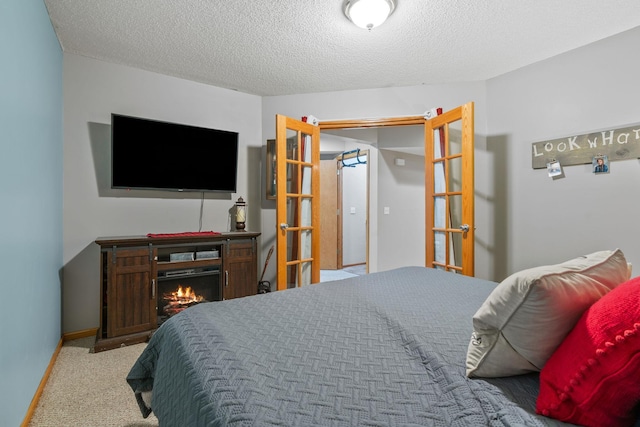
528 314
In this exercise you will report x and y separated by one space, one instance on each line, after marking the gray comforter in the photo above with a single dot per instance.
385 349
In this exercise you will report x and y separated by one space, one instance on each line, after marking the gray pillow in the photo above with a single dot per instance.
528 314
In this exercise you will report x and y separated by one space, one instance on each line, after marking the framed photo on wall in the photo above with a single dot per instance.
554 169
600 164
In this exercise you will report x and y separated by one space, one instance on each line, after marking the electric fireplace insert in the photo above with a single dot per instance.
181 289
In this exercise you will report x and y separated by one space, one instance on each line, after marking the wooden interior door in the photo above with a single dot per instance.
297 203
329 214
449 184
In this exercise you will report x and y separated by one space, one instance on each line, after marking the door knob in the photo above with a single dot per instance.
464 227
284 226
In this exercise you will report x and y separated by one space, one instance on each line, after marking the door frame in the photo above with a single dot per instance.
468 131
466 112
336 241
340 168
363 124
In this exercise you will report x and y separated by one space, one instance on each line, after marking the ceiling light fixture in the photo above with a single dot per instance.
368 13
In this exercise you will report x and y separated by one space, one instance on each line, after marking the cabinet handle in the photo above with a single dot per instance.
226 278
153 288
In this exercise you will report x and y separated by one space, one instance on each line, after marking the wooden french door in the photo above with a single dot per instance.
297 203
449 184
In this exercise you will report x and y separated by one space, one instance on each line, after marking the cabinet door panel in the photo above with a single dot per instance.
131 292
241 276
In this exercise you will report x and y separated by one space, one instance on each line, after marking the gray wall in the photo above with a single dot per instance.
402 193
31 192
539 220
92 91
401 190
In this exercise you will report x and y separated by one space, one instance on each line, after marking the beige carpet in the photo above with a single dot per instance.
90 389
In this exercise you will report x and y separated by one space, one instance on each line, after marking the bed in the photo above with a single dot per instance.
384 349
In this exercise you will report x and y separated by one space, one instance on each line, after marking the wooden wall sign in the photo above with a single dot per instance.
617 144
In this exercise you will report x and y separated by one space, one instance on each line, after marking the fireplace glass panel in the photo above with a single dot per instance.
181 289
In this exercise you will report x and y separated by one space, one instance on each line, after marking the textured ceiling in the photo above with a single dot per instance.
282 47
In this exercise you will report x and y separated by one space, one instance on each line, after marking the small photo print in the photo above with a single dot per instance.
600 164
554 169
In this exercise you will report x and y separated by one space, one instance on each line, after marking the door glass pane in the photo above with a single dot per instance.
454 171
292 144
305 242
292 212
455 138
306 148
439 183
292 276
439 214
306 212
293 245
305 188
439 243
305 274
292 178
455 250
438 147
455 211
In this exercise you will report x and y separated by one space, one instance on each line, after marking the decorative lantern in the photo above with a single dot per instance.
241 214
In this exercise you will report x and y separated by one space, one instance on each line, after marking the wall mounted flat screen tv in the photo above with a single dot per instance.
157 155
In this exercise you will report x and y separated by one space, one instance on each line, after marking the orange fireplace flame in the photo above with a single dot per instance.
185 295
182 298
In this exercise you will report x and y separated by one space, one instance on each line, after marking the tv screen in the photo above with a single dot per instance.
151 154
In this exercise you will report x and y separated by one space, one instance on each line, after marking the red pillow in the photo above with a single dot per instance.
593 377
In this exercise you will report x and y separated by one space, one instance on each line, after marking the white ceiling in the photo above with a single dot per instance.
282 47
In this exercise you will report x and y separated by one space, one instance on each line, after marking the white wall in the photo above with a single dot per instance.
539 220
92 91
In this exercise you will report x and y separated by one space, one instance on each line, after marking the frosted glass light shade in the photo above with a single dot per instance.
368 13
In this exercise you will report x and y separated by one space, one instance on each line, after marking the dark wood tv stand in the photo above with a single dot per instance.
131 267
